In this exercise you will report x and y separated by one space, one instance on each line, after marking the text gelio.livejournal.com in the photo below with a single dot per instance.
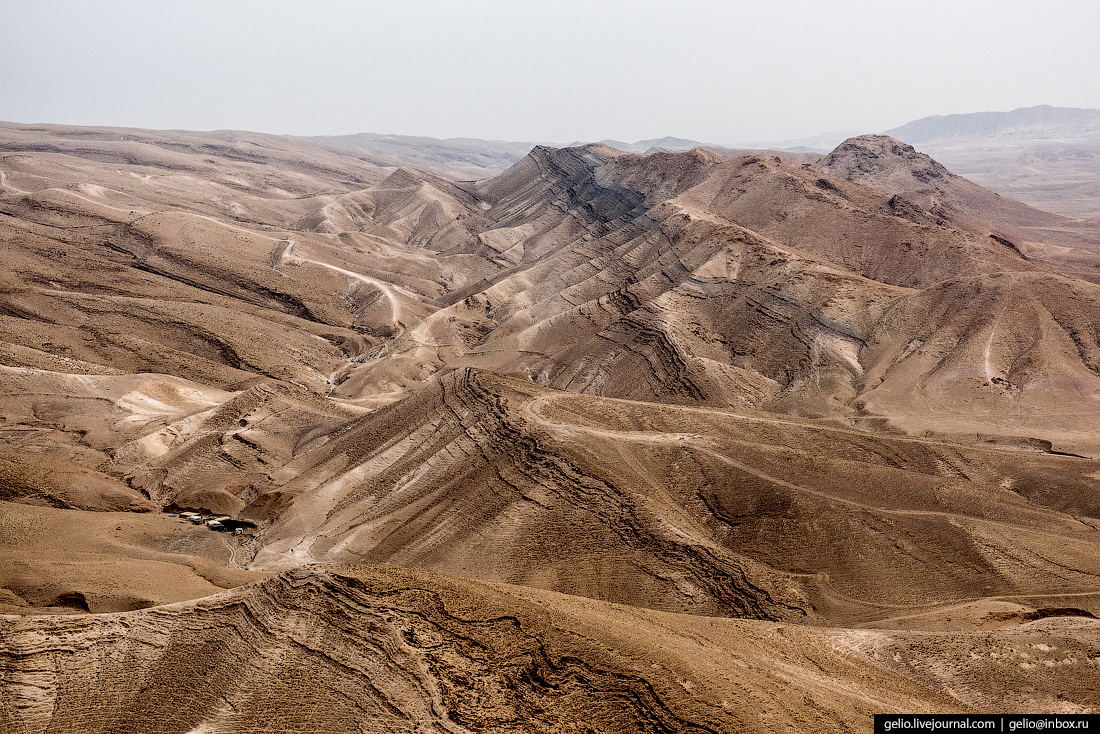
898 723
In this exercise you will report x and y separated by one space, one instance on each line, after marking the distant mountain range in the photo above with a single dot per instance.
1026 123
457 158
1048 157
667 143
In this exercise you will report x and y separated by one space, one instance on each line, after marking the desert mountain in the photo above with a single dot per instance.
921 188
235 162
467 158
750 282
857 391
1042 122
1048 157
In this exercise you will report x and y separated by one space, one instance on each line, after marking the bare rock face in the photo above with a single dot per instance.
882 159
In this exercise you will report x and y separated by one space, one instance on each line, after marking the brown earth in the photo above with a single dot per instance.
735 422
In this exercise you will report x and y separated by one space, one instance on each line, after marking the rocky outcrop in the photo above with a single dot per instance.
359 649
331 650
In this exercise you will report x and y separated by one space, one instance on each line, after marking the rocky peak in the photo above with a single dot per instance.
871 159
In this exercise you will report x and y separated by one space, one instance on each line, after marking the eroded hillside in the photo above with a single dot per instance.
857 392
351 649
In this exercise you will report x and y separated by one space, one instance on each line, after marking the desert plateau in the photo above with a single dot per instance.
384 434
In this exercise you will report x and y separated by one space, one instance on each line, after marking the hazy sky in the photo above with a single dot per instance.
722 72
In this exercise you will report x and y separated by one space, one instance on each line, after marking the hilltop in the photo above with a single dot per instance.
1048 157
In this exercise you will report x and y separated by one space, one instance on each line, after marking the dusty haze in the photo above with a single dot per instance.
724 73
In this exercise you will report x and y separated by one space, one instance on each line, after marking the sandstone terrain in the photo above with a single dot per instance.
607 441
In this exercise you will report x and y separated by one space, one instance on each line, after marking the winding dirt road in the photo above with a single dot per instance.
386 288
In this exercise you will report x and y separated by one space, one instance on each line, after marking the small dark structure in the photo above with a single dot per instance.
235 524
